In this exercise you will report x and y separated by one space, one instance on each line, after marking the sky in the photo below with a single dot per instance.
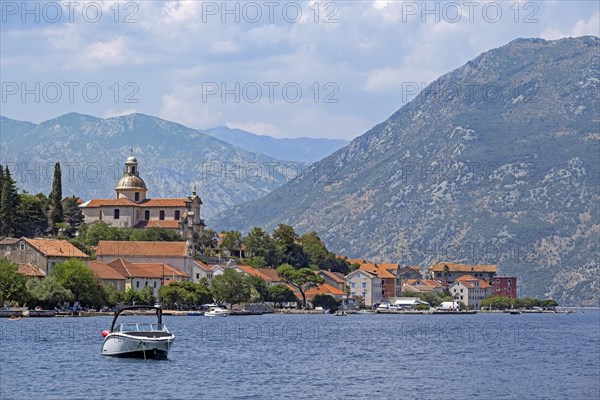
281 68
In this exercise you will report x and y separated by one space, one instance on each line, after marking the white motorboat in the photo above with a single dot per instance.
217 312
138 339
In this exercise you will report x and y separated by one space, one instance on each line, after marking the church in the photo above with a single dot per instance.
131 207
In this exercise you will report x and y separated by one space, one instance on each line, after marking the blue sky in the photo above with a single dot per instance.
286 69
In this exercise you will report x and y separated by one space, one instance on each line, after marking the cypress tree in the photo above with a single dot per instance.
9 199
55 211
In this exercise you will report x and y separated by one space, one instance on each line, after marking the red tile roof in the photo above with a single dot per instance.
145 270
322 289
453 267
31 270
379 271
55 248
203 266
105 271
333 276
270 274
140 249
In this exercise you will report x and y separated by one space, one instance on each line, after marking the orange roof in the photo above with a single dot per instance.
203 266
140 249
145 270
467 280
55 248
453 267
352 261
250 271
322 289
148 203
30 270
104 271
9 240
379 271
388 266
157 223
270 274
333 276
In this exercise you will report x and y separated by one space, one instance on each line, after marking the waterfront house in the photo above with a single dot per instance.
470 290
366 285
202 271
271 275
505 286
422 286
171 253
31 271
388 273
323 289
42 253
108 275
334 279
140 275
449 272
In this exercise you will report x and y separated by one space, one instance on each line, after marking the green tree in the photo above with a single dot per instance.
185 294
133 297
72 214
256 262
327 302
232 242
259 289
205 240
9 201
497 303
231 287
47 293
31 215
288 246
280 294
111 295
74 275
55 210
302 279
259 243
12 283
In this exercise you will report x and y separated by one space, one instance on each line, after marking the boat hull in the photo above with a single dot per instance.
135 347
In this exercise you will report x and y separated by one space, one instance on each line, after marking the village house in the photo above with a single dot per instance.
324 289
108 275
41 253
172 253
505 286
422 286
389 274
334 279
139 275
365 284
470 291
449 272
131 207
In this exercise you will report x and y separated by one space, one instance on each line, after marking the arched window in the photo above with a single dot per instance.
147 215
137 196
117 213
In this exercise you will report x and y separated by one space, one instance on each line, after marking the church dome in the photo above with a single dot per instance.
131 182
131 160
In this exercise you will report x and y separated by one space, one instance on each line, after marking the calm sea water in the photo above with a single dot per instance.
535 356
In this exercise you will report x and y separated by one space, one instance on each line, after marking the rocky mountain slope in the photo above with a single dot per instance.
495 162
172 157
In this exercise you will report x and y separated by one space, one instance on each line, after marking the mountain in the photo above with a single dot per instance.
300 149
495 162
173 158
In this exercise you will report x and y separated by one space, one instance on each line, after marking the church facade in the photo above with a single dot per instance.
131 207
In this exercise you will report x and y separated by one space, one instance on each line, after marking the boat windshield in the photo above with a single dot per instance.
144 327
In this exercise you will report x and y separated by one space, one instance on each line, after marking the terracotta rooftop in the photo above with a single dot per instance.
105 271
468 281
140 249
145 270
31 270
55 248
332 275
322 289
9 240
203 266
453 267
270 274
377 270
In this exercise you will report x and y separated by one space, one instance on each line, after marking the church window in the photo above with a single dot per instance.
177 214
137 196
117 213
133 170
147 215
22 246
100 214
161 215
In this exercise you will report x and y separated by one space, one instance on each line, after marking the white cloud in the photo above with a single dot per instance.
184 110
224 46
102 54
581 28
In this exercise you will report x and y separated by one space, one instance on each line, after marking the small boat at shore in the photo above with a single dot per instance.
217 312
138 340
14 318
